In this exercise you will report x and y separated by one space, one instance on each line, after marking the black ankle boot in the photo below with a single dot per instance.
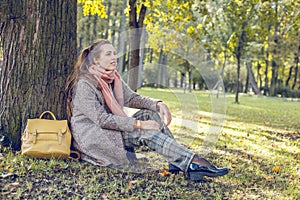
173 169
196 172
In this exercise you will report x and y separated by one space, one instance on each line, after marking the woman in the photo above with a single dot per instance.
103 132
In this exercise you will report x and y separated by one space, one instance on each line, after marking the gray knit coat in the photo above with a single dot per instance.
96 131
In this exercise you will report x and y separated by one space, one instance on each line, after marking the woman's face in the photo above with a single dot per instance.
107 58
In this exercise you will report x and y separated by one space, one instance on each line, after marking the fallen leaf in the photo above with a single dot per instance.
269 178
254 158
165 173
276 169
131 183
245 155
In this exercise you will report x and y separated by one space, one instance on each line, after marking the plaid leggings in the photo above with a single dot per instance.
162 142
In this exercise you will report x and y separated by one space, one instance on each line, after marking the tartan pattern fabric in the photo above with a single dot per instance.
162 142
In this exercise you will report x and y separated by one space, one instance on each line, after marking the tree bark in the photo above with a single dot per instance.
289 76
251 78
274 70
135 25
239 50
39 47
296 62
121 39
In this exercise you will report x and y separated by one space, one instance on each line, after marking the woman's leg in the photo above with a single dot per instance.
163 142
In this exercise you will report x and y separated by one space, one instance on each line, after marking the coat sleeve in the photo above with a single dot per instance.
134 100
89 102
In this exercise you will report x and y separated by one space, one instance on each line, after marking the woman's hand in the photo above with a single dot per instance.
165 113
150 125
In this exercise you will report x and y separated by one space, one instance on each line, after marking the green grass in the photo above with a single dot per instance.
259 143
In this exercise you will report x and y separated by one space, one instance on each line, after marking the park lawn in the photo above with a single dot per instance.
259 143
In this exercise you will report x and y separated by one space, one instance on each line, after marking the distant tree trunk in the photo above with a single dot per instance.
274 70
159 71
150 55
247 82
182 79
289 76
175 79
141 64
251 78
39 46
113 31
239 50
296 62
266 86
259 79
87 32
135 25
121 39
95 32
108 18
190 79
238 79
164 70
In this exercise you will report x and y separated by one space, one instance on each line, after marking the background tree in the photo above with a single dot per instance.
39 49
239 36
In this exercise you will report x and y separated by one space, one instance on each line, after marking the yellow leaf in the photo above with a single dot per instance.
269 178
276 169
190 29
165 173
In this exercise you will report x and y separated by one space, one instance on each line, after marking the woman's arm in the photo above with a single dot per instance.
134 100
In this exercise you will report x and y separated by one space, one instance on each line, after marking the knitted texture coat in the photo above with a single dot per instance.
96 131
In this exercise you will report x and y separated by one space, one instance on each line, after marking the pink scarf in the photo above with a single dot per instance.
114 102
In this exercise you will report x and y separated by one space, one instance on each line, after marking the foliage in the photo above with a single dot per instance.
253 30
263 157
93 7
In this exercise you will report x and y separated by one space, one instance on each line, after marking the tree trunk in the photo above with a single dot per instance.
141 64
259 79
135 25
239 50
39 47
247 82
159 71
296 61
108 18
266 86
121 39
274 64
190 79
289 76
273 78
238 79
164 70
251 78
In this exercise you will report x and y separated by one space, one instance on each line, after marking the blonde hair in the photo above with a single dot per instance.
80 71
